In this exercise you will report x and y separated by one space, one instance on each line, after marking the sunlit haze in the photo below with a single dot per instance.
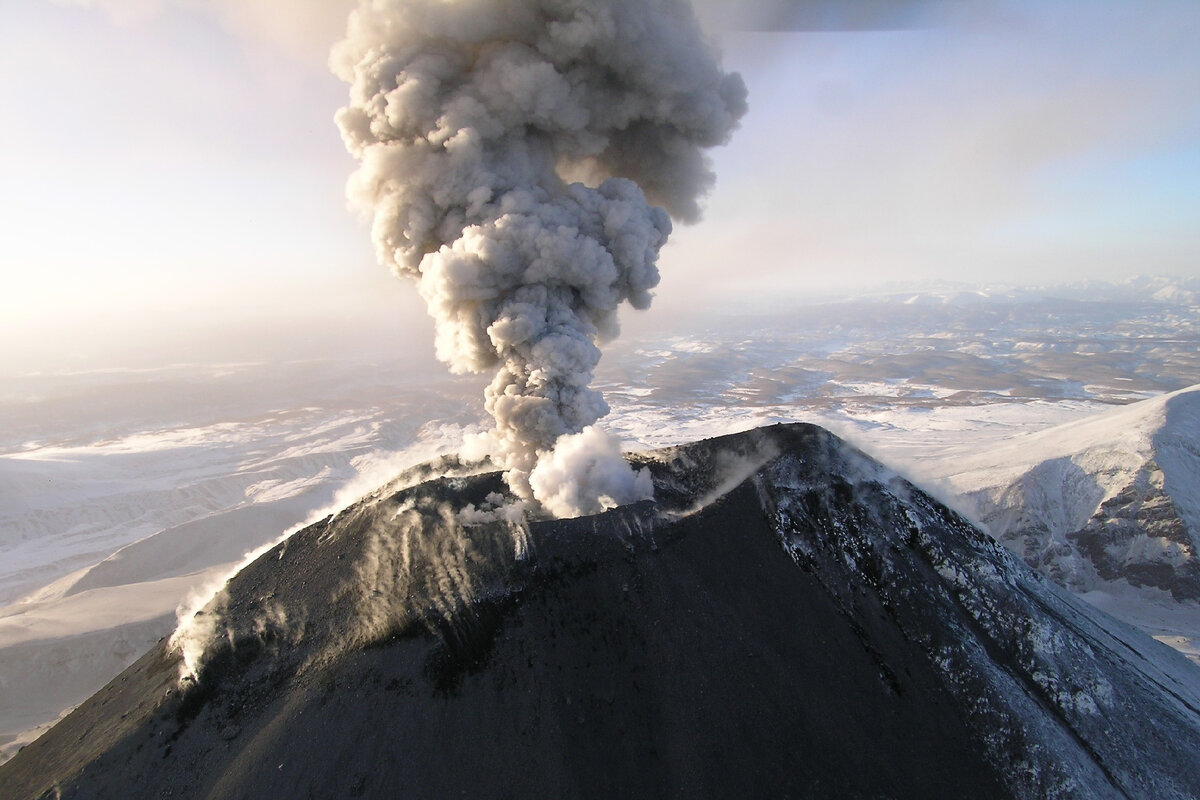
172 182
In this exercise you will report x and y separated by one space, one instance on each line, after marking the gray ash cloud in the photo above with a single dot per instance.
522 161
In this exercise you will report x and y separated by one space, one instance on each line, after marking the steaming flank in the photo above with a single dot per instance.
948 668
522 160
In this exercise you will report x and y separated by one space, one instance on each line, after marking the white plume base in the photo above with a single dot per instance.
585 474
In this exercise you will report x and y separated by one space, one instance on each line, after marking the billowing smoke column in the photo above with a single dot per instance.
514 155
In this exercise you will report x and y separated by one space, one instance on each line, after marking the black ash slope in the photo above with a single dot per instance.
789 619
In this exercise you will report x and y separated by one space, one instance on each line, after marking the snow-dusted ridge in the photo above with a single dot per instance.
1107 506
96 571
1114 496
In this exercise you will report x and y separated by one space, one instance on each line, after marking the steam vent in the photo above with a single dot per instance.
787 618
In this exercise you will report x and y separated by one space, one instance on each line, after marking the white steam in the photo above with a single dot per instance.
514 155
585 474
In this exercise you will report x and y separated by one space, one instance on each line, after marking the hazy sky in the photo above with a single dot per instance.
170 168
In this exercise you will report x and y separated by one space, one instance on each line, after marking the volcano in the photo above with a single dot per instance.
787 618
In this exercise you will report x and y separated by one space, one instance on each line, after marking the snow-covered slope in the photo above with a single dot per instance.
65 507
101 541
1112 497
787 614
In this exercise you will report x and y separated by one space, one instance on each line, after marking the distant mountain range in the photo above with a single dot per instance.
787 618
1163 289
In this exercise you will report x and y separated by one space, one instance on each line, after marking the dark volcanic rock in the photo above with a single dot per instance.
788 619
1114 539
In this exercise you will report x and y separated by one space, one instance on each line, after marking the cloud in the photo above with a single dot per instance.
522 162
586 474
303 28
998 142
818 15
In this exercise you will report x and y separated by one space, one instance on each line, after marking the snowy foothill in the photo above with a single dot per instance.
1107 505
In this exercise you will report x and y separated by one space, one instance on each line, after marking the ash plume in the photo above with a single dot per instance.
522 161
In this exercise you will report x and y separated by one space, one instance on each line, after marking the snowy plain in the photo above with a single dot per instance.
124 492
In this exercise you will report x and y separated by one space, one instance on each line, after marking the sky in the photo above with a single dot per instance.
172 182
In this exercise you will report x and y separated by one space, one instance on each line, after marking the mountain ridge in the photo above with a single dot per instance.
788 614
1113 497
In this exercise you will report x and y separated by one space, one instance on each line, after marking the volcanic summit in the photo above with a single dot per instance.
786 618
